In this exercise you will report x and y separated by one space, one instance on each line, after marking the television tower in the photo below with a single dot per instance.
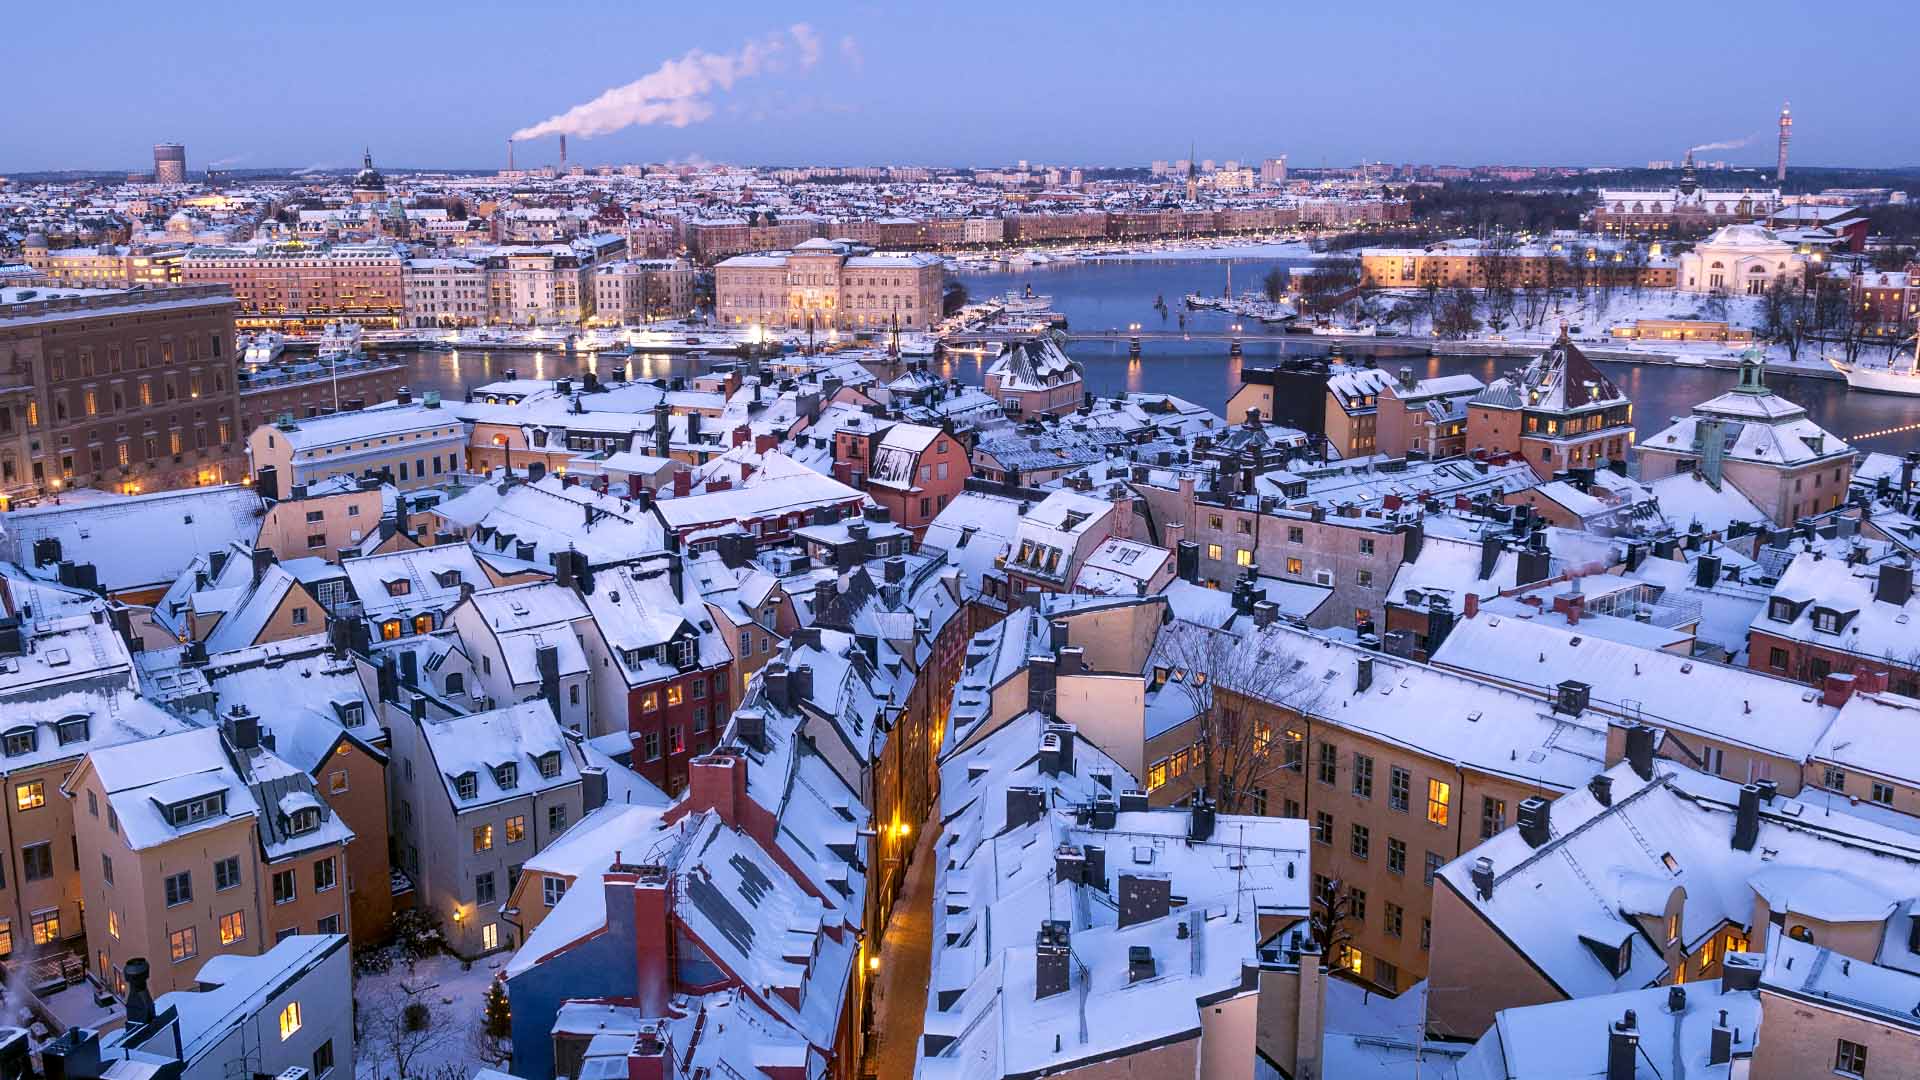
1786 136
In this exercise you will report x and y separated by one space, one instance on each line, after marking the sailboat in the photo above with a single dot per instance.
1897 376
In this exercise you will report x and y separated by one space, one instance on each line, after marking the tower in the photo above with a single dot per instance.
509 155
1786 136
169 163
1193 176
563 153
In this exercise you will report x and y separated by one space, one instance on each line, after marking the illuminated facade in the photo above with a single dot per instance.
830 285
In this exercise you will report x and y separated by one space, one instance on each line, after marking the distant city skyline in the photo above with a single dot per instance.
979 84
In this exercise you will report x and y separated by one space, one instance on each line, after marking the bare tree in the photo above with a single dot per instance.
401 1033
1274 284
1239 687
1456 319
1332 918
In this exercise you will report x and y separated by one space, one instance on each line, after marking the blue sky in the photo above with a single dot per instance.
957 82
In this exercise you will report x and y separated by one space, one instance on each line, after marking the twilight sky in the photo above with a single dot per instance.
953 82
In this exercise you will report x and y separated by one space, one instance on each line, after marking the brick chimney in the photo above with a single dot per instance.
717 781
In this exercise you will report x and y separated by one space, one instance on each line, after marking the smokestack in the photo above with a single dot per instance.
563 153
509 155
1786 136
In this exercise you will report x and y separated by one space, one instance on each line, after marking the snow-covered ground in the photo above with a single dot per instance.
453 1042
1591 320
1203 249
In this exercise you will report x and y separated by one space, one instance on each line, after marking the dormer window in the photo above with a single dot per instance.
466 786
303 821
507 776
1780 609
448 579
353 713
20 740
399 587
74 729
193 811
549 764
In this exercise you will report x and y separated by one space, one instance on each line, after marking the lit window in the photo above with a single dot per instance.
1243 557
181 945
30 796
483 838
289 1020
1438 794
233 927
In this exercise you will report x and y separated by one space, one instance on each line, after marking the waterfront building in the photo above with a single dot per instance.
1686 209
104 266
538 285
1740 259
445 292
1761 444
1559 412
830 285
1033 377
641 290
414 443
126 390
298 286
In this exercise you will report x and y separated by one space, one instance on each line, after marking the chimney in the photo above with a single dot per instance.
1740 971
717 781
1025 805
139 1000
1057 635
1364 674
1139 963
1535 813
262 558
1640 750
1676 999
1836 689
1143 898
1706 571
1490 547
1720 1046
1571 697
593 788
1200 820
779 690
1040 684
1052 959
651 1057
563 160
750 726
1601 788
243 728
1746 822
1104 813
1623 1048
1482 874
1896 583
1056 750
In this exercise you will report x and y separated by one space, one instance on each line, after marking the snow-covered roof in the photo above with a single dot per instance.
173 526
482 744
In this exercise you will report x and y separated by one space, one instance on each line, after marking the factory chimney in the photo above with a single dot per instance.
509 155
563 153
1786 136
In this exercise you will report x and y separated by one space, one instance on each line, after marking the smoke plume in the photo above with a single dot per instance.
1730 144
677 92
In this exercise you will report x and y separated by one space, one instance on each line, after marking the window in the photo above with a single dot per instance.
516 828
1362 775
289 1020
1673 928
1362 843
1396 856
179 889
285 888
36 861
1366 545
1777 659
181 945
1213 551
1396 918
1399 785
1358 899
1295 566
1493 817
507 776
1850 1059
490 933
106 867
226 873
30 796
336 781
650 746
483 838
1438 793
483 888
1329 763
328 925
323 1059
552 889
466 786
1426 934
6 937
20 741
1434 863
550 764
93 803
233 927
1322 827
1243 557
1882 793
556 820
1834 778
324 875
1296 534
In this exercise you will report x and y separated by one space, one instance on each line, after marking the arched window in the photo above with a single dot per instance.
1799 932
